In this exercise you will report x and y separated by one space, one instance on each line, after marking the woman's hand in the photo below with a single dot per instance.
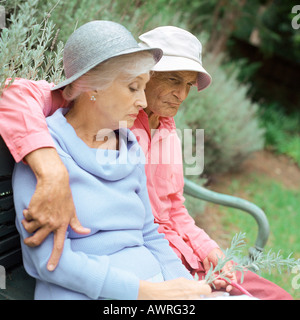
212 258
177 289
51 208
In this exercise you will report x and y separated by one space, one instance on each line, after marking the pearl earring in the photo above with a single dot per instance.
93 98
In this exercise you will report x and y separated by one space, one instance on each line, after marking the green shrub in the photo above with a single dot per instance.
28 48
228 117
282 131
32 44
136 15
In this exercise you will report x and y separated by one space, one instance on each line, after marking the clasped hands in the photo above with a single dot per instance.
212 259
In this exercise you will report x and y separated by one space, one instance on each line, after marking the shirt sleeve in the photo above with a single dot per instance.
88 274
185 226
170 264
23 108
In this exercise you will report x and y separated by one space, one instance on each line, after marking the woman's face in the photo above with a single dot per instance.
122 101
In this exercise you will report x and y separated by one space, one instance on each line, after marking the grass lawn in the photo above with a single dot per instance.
282 207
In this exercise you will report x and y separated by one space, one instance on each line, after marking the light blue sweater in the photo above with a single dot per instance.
111 199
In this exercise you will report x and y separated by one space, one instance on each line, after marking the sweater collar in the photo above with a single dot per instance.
106 164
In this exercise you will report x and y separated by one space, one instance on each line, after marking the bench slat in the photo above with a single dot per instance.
9 243
7 216
6 160
11 258
6 202
6 229
5 187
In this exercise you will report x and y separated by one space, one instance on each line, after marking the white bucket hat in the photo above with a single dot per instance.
181 51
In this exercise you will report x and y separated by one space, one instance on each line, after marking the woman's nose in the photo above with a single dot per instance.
142 101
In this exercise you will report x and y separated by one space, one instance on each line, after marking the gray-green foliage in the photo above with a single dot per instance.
28 48
138 16
230 254
258 262
71 14
229 119
32 44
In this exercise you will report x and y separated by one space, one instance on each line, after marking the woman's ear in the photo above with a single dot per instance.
93 95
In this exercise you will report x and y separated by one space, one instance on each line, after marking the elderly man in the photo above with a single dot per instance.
23 108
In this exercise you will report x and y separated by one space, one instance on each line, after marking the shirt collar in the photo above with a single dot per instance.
165 122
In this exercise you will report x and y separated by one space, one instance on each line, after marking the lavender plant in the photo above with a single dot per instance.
258 262
28 48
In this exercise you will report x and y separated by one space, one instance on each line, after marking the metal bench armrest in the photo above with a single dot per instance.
257 213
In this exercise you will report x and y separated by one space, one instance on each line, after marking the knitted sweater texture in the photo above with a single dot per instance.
110 196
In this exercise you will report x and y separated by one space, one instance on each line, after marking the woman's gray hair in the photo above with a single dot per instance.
101 77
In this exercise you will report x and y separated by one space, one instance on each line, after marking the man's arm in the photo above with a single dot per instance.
23 107
185 226
206 249
51 208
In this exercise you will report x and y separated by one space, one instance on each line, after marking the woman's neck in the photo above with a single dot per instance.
89 128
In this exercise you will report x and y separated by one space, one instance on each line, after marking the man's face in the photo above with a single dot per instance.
167 90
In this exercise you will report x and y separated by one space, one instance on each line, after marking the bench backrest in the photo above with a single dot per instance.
10 251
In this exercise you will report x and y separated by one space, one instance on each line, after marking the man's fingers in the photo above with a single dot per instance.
206 264
58 246
77 227
27 215
219 284
31 226
228 288
36 239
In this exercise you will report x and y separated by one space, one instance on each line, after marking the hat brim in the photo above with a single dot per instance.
156 52
172 63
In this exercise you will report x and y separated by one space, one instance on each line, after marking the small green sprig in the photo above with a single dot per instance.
270 261
230 254
257 262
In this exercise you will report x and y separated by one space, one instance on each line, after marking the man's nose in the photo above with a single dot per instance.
181 93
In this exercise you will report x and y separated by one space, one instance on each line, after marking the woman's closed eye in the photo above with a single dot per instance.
133 87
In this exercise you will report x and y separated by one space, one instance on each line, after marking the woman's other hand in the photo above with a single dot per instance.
177 289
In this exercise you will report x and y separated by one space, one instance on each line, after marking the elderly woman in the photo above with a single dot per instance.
123 256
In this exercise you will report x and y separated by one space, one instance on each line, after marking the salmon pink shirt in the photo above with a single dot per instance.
23 127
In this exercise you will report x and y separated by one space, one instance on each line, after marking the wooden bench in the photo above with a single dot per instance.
20 286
